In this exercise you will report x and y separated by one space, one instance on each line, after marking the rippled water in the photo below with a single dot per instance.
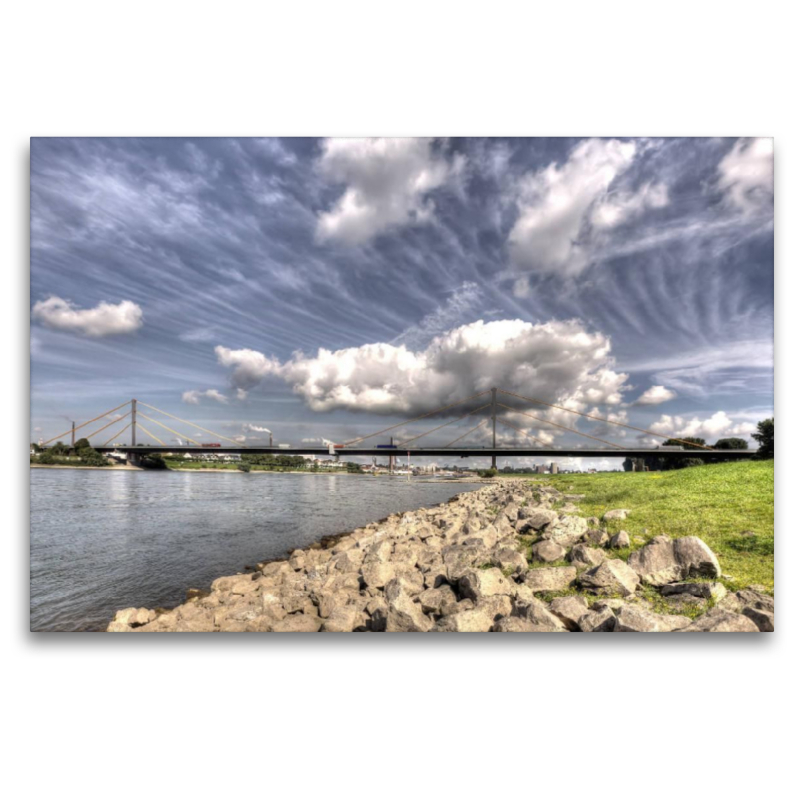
101 541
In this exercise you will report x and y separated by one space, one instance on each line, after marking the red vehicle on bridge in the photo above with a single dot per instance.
210 444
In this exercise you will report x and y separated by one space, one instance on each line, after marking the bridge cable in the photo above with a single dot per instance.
78 427
482 422
179 435
603 419
416 419
113 422
563 427
151 434
432 430
186 422
105 444
524 433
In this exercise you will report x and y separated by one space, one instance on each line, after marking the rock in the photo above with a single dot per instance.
705 591
380 552
720 621
432 600
537 611
566 530
537 518
132 618
611 577
377 573
225 584
458 560
547 550
737 601
476 620
595 536
404 614
297 561
584 556
550 579
480 583
298 601
640 620
620 540
520 625
569 610
343 619
616 513
508 559
666 560
764 620
298 623
602 621
497 606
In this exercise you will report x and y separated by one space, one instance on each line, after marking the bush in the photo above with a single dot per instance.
487 473
766 438
243 466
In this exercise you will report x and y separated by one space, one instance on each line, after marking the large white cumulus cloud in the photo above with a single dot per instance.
105 319
717 426
558 361
387 183
556 203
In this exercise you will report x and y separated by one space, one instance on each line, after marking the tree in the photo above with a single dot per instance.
656 462
243 466
765 438
82 444
59 449
353 467
731 444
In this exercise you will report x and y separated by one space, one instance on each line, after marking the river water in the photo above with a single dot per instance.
102 540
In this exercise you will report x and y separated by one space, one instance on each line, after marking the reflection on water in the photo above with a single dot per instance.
101 541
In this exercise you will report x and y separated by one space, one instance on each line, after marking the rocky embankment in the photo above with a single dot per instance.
510 557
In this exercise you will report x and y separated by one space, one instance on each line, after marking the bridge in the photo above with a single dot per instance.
409 447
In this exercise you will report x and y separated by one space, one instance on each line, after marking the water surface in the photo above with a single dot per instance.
103 540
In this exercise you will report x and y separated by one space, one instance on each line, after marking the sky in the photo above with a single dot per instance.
324 289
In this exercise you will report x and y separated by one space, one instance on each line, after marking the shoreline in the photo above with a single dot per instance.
510 556
130 468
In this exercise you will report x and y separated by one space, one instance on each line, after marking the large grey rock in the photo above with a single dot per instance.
518 625
584 556
480 583
475 620
566 530
640 620
298 623
737 601
539 613
404 615
596 537
377 573
434 600
132 618
720 621
764 620
458 560
550 579
537 518
705 591
620 540
666 560
507 558
611 577
547 551
616 513
343 619
602 621
569 610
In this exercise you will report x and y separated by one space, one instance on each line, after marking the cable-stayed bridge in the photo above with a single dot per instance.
460 447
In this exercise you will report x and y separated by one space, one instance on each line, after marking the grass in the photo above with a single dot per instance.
716 503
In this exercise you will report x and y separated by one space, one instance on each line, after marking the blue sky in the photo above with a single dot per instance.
328 288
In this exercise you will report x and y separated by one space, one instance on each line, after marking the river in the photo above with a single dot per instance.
102 540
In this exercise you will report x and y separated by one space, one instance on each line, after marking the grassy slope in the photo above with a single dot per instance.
715 503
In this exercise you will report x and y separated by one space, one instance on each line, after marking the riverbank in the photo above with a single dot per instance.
110 468
512 556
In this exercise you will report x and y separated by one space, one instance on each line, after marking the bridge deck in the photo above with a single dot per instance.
452 452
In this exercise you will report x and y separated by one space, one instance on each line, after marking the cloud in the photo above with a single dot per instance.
105 319
746 175
193 397
620 207
387 183
555 204
559 361
656 395
715 427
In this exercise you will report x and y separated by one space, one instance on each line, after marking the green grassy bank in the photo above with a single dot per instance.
716 503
